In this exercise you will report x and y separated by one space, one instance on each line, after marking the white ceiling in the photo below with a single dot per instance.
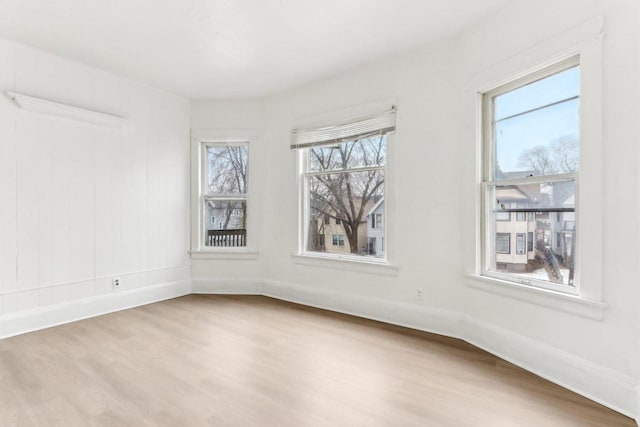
232 48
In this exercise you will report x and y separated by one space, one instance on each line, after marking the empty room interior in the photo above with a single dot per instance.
337 213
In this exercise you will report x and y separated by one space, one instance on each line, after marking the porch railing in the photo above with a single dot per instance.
227 238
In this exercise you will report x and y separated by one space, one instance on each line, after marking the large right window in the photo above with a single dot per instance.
531 157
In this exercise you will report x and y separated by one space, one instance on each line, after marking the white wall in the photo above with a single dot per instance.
80 203
433 192
236 119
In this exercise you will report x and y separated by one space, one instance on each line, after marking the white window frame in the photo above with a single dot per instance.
488 150
584 41
303 159
364 264
200 140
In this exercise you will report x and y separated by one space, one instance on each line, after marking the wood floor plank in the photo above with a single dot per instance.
255 361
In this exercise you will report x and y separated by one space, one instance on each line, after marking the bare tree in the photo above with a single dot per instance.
538 159
565 154
344 196
227 175
560 156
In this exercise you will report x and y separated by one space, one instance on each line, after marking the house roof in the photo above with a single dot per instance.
376 205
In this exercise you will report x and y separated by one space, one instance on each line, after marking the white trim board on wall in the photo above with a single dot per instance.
54 315
617 391
44 106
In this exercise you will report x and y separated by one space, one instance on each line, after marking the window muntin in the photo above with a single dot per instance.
531 160
344 181
224 194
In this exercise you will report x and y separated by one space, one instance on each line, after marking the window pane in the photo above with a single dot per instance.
351 154
226 169
550 248
349 197
503 243
225 223
556 195
520 238
543 142
558 87
503 216
549 234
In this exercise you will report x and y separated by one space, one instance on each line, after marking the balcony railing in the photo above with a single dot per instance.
227 238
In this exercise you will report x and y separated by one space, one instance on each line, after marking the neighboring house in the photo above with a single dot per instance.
520 234
331 236
515 232
221 216
375 230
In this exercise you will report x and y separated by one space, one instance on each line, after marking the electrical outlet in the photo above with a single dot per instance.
116 283
419 295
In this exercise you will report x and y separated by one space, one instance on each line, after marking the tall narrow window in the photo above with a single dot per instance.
520 241
224 194
343 176
531 157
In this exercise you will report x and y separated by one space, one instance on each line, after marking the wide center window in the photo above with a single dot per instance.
343 188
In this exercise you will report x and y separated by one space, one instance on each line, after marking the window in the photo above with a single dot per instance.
531 157
379 223
503 243
503 216
342 173
376 221
520 241
224 194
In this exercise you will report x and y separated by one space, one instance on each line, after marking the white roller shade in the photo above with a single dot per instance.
356 129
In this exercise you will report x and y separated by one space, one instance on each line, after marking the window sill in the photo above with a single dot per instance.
379 268
227 254
573 304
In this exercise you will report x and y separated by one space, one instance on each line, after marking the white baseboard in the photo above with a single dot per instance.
596 382
638 406
441 322
231 286
601 384
46 317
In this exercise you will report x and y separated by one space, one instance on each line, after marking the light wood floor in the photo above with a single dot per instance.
254 361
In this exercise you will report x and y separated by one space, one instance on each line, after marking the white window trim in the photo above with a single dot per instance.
199 139
346 262
340 260
584 41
